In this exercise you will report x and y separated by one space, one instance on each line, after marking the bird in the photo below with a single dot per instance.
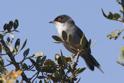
67 24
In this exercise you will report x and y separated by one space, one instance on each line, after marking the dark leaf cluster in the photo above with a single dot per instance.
63 69
116 17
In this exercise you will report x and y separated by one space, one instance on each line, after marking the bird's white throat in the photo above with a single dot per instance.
60 27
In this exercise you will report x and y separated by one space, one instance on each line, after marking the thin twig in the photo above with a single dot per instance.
36 75
8 64
2 54
75 64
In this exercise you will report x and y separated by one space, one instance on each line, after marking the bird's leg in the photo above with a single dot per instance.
78 55
73 56
76 60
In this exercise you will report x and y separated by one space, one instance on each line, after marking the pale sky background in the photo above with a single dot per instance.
34 16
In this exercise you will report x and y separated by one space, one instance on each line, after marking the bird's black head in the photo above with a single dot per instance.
62 18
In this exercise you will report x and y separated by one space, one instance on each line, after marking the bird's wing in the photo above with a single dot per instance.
80 34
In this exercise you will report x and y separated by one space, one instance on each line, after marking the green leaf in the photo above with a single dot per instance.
57 75
122 51
2 68
45 81
23 44
110 16
1 81
8 28
89 42
1 48
26 52
1 62
121 57
32 61
16 24
25 66
61 59
1 36
17 44
104 14
40 81
56 38
109 36
11 24
49 62
5 27
48 69
61 52
8 39
64 35
78 80
80 70
40 60
116 16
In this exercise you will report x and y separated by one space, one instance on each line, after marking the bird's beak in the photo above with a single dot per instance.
51 22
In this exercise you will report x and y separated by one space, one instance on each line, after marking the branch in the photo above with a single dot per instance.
9 53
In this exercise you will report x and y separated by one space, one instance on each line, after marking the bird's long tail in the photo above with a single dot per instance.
91 62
